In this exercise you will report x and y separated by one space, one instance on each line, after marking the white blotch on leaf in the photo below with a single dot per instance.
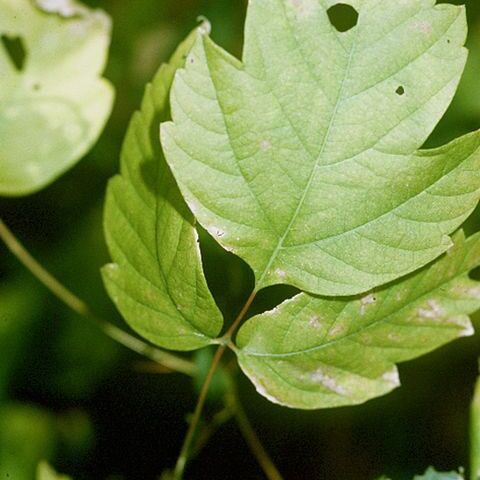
392 377
365 301
474 291
433 312
280 273
265 145
423 26
315 321
468 331
319 377
336 331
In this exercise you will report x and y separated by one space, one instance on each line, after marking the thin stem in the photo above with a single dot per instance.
253 441
184 452
79 306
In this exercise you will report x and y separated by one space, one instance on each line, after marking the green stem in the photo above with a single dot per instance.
253 441
79 306
185 450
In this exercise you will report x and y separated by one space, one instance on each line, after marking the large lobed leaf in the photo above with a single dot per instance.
157 280
302 159
313 352
54 106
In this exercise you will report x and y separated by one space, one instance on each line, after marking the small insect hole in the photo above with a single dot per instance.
37 87
400 91
343 17
15 49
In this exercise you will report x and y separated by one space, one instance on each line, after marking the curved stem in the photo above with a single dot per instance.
253 441
184 452
79 306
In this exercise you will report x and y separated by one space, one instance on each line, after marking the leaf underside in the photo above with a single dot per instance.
54 104
156 280
313 352
303 158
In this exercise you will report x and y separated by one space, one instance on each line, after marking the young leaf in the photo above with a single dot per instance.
53 103
432 474
313 352
157 280
303 159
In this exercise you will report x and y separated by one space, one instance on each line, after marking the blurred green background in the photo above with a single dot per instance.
71 395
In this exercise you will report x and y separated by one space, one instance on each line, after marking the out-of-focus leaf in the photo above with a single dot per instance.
17 312
27 436
314 352
157 280
302 159
432 474
46 472
53 101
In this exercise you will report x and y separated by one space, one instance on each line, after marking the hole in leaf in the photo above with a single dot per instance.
400 91
16 51
343 17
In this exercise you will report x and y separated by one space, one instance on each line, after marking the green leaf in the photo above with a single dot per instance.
302 159
475 434
432 474
157 280
312 352
46 472
53 104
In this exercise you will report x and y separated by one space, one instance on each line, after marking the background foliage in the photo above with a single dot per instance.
100 412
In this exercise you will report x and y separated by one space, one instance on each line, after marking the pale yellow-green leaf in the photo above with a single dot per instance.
53 109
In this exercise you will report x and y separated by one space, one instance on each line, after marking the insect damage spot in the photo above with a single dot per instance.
314 321
423 26
280 273
343 17
392 377
370 299
328 382
400 90
433 312
15 48
265 145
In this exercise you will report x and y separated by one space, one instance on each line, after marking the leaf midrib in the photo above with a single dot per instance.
293 219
